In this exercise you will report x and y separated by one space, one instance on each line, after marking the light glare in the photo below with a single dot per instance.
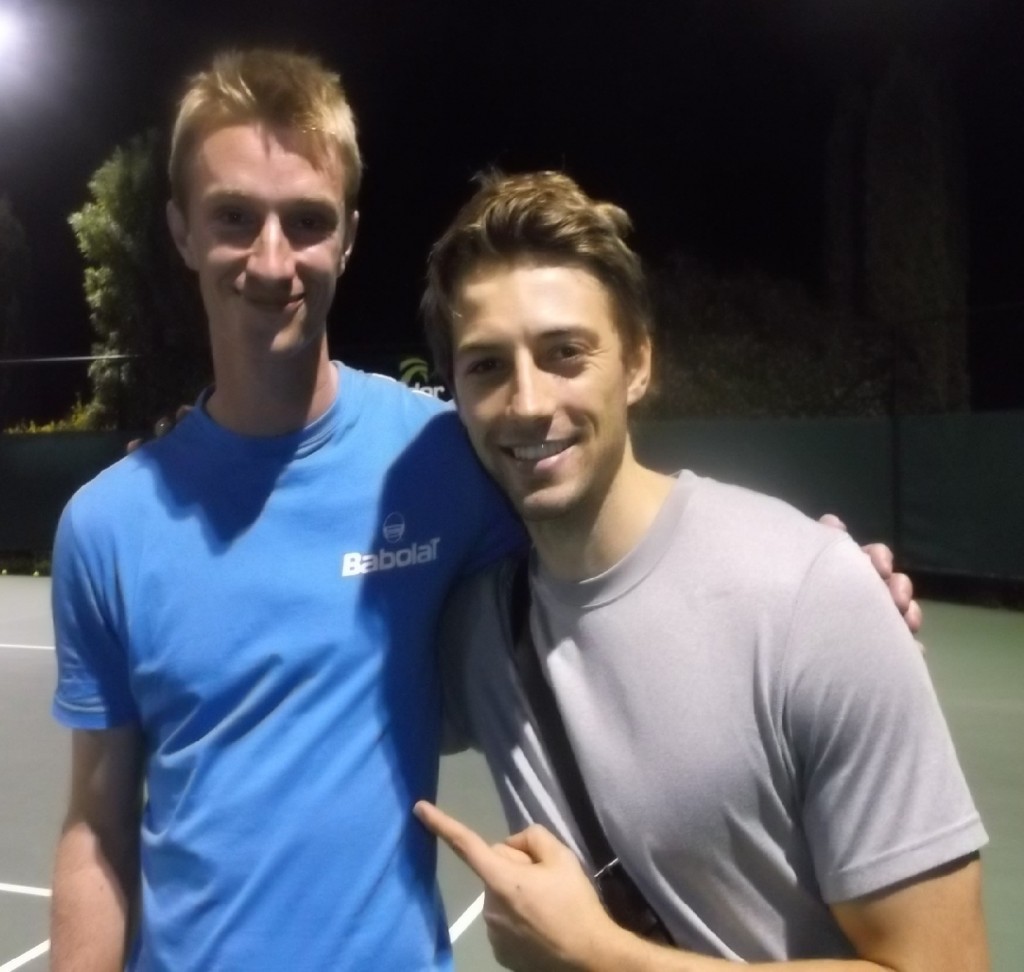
10 31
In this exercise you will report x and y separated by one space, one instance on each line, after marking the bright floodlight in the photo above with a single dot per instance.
10 31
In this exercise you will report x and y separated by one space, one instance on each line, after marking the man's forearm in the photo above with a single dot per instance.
93 888
618 950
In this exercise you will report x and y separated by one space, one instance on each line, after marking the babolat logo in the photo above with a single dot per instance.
415 372
391 557
394 527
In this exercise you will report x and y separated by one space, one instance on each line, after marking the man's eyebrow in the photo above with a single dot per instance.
568 330
228 194
564 332
476 347
556 333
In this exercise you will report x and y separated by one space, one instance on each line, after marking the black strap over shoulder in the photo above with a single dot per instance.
549 721
619 893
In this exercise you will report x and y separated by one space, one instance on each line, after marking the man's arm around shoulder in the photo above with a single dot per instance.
543 915
96 873
930 924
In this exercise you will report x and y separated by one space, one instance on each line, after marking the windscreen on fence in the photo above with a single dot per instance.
944 491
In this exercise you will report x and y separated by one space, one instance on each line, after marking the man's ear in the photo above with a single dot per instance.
179 233
348 242
638 367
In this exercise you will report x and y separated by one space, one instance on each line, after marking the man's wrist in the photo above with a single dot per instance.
620 950
616 949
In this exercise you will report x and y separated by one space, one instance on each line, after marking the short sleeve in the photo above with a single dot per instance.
93 690
883 795
501 531
475 656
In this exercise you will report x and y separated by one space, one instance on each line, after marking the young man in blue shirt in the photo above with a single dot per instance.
245 608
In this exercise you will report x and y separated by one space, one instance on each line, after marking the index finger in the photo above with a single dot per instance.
465 842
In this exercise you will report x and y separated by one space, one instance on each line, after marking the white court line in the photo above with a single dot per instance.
454 933
29 648
461 923
23 889
16 963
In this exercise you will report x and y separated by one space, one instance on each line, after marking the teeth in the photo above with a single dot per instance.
531 453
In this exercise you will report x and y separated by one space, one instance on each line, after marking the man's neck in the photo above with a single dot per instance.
262 396
590 541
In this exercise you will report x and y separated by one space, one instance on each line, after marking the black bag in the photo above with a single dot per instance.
625 902
619 894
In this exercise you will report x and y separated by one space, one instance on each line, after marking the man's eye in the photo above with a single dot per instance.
313 224
481 366
232 218
567 352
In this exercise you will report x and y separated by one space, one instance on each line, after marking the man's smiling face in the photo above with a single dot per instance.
543 385
267 233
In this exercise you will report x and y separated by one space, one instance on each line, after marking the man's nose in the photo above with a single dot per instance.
271 257
531 390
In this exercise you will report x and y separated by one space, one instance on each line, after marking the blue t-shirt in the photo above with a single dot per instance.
265 611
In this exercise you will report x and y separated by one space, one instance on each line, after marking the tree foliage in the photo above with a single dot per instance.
844 201
915 238
890 331
14 272
141 299
749 344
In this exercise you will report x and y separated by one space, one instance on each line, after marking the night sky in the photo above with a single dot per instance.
706 119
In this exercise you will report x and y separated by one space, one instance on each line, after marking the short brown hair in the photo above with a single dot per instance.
278 89
534 216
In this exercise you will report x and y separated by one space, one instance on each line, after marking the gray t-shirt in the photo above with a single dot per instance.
757 730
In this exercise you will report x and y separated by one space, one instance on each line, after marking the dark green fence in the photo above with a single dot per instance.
38 474
944 491
962 495
842 466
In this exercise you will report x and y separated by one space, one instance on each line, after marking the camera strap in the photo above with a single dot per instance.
549 721
620 894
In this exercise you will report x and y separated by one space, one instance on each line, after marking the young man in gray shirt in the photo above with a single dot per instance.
761 741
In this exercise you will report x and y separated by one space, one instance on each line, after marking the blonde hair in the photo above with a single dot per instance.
278 89
534 216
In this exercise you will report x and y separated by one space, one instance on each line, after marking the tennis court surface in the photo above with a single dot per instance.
976 656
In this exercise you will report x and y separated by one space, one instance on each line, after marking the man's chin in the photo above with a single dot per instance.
292 340
541 506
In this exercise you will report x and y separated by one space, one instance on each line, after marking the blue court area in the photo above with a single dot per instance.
976 656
